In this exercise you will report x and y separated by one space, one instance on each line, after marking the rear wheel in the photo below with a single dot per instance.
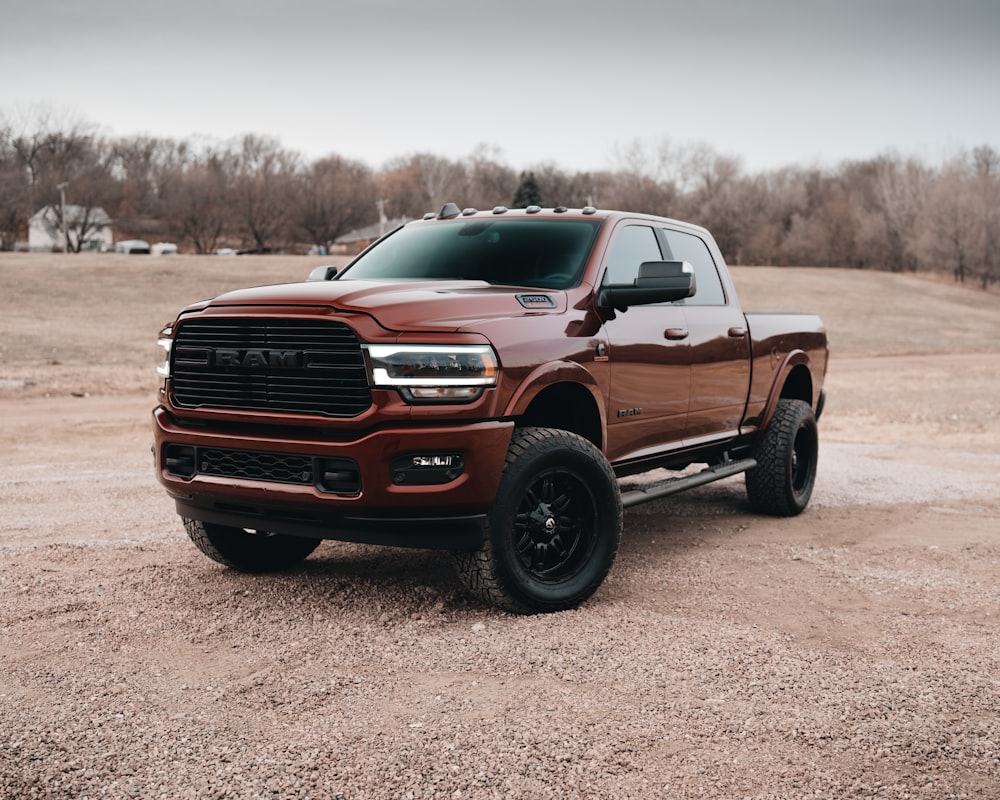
248 551
554 529
782 482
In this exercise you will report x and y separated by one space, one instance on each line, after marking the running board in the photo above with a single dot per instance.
634 494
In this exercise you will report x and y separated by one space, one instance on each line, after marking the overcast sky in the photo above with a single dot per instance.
774 82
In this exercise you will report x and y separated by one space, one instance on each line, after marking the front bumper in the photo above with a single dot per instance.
449 512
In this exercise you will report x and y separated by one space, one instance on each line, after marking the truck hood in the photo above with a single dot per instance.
405 305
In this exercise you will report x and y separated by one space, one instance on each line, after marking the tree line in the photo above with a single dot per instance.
887 212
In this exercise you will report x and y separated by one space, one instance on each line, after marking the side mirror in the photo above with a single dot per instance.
322 273
657 282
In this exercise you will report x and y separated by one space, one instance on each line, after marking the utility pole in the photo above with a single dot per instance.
62 215
380 205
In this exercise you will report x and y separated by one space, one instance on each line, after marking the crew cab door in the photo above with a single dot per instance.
649 354
719 341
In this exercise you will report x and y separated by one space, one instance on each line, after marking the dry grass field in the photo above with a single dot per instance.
849 652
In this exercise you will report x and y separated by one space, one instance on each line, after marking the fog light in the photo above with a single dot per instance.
426 469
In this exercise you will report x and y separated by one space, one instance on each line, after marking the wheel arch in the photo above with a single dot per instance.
798 383
563 395
793 381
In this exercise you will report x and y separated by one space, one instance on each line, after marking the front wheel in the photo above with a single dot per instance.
247 551
787 454
554 529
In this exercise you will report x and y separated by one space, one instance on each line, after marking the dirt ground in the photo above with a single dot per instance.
849 652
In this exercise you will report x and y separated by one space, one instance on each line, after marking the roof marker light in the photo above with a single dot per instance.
499 209
589 210
468 212
532 209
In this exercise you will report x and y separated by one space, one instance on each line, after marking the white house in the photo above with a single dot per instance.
91 226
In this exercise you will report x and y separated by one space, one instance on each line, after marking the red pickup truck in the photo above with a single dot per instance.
484 382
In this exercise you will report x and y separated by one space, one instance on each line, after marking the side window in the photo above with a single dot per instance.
685 247
632 245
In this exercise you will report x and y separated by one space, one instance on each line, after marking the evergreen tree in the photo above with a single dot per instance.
528 192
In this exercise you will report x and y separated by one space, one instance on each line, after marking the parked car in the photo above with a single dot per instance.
132 247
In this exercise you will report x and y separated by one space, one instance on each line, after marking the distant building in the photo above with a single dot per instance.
358 240
89 226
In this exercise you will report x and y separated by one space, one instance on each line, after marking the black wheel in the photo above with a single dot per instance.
782 482
248 551
554 529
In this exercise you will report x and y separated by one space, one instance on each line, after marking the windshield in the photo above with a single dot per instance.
539 253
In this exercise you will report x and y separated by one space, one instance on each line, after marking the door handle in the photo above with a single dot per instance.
737 332
675 334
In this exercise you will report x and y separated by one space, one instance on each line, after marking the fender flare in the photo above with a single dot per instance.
792 359
550 374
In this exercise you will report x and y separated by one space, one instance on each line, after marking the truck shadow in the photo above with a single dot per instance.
413 582
347 577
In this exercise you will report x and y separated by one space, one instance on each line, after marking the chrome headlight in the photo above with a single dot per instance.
163 345
429 373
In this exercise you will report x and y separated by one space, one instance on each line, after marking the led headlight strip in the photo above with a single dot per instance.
434 372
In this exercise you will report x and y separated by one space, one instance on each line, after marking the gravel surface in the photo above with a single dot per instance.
849 652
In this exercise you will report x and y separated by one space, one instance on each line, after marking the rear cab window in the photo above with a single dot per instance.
681 246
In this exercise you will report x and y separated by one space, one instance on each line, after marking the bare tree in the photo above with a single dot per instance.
95 189
48 148
986 178
573 190
399 187
648 176
13 190
489 182
140 163
633 191
665 162
886 212
948 224
263 190
771 201
195 194
890 193
422 182
333 196
41 149
715 202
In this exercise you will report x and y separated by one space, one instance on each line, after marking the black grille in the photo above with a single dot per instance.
290 366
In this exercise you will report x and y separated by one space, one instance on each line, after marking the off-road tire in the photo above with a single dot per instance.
553 532
248 552
782 482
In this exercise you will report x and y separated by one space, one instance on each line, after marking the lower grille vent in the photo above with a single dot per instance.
255 466
333 475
